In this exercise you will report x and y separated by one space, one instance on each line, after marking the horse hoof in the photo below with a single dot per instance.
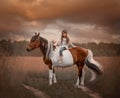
50 84
77 86
54 82
82 84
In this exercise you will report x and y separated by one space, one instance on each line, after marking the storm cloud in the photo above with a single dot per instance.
85 20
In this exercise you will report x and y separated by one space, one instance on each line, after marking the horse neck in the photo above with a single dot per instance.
43 45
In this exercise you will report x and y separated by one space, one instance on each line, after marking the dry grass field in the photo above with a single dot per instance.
31 71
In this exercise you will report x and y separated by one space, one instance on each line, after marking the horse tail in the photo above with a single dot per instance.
92 64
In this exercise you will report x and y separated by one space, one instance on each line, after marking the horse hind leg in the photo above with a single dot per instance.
80 66
82 78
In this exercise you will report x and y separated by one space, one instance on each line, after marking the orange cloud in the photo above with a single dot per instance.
24 15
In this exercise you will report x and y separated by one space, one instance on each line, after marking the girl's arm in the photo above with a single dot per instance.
58 42
70 43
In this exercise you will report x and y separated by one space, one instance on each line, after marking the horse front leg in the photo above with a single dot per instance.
50 75
54 76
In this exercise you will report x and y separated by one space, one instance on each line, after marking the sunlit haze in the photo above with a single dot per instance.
85 20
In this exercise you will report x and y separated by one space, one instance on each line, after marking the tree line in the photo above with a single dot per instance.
18 48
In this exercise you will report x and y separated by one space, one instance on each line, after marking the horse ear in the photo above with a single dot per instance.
35 33
38 33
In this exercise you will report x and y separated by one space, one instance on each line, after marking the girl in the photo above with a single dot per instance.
64 44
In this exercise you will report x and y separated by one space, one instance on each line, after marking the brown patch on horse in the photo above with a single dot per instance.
79 54
48 62
34 44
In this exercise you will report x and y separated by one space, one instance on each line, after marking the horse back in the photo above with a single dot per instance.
79 54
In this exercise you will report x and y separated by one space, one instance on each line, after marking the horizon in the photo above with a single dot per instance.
102 42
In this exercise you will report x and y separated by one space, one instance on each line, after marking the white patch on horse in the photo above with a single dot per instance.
50 76
54 78
77 83
67 59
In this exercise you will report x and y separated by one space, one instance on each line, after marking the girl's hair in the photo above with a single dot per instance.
64 31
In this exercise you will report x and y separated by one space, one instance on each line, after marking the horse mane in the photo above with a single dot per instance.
43 45
43 39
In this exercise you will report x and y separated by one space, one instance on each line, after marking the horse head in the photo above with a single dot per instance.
34 42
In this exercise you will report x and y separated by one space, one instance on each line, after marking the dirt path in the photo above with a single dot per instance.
41 94
90 92
36 92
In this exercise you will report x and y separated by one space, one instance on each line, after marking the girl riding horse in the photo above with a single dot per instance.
79 56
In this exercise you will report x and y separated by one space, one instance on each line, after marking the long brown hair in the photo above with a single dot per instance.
64 31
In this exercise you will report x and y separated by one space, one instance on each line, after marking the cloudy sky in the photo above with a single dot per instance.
85 20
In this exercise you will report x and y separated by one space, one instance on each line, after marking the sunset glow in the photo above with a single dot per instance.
85 20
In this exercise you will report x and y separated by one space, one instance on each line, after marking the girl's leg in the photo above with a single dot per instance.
61 55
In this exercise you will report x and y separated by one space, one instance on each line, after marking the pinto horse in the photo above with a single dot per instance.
75 56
